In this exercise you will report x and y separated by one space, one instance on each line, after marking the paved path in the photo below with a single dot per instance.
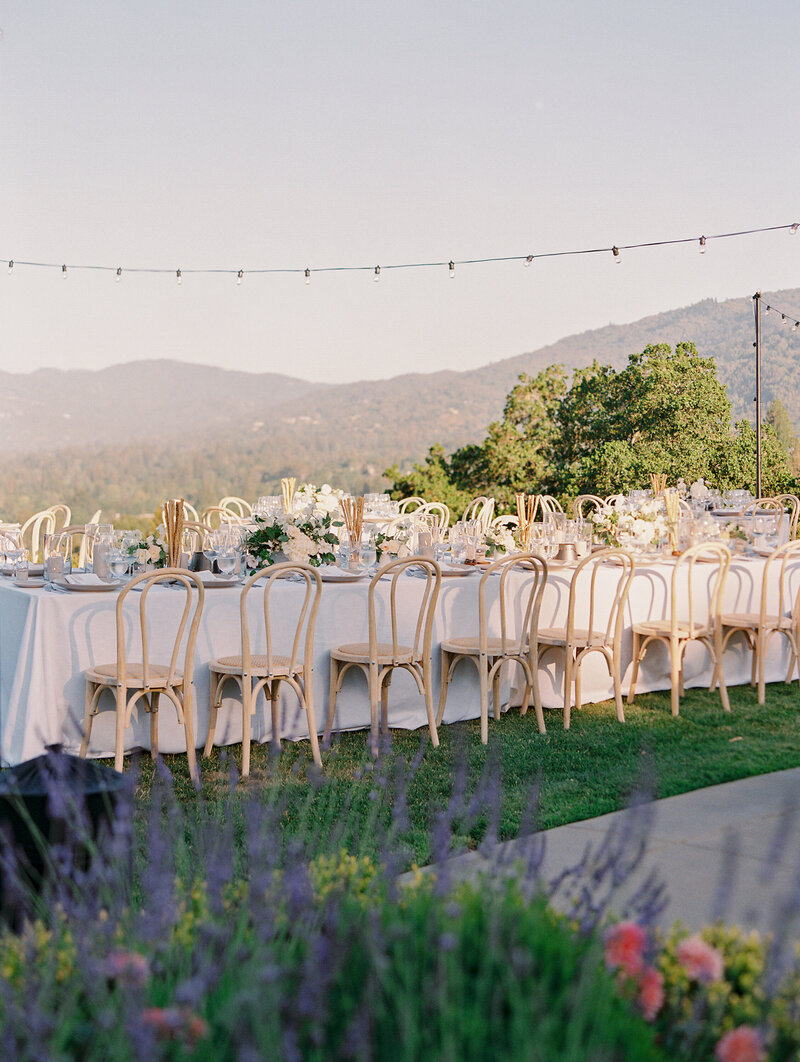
730 851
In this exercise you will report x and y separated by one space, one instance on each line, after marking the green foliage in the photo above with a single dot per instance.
665 412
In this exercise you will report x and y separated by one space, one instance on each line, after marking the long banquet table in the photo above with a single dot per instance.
48 638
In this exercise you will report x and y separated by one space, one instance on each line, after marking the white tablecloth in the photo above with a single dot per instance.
48 638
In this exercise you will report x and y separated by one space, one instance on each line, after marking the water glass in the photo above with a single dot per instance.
57 556
119 562
226 561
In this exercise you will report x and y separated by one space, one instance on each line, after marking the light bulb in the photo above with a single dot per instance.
793 229
617 256
795 325
783 318
702 245
239 277
11 267
178 277
766 313
452 268
63 272
529 261
377 274
307 275
118 277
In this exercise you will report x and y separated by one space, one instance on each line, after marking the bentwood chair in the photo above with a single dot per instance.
238 506
62 513
144 680
190 513
222 516
517 643
781 618
549 504
33 531
438 512
255 672
577 642
508 520
409 504
790 503
480 509
688 620
584 501
378 659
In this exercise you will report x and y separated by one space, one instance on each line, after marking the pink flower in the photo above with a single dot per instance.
175 1023
700 961
128 968
624 944
742 1044
651 992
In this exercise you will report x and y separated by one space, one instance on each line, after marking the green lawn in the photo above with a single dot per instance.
589 770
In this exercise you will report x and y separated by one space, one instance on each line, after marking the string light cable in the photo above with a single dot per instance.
449 263
785 318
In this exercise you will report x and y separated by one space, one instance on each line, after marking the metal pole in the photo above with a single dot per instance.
757 345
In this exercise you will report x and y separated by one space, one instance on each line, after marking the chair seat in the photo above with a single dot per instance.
472 646
232 665
752 620
157 676
662 628
558 636
359 653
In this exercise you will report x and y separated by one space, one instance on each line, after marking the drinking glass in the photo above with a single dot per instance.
226 561
11 545
119 562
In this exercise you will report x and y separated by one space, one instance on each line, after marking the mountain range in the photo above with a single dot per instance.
129 435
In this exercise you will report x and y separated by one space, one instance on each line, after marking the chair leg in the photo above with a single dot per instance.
187 697
427 683
634 668
484 687
496 694
537 693
568 664
88 718
247 711
308 700
578 698
387 681
275 693
215 681
374 699
616 676
153 701
446 662
675 676
761 653
119 744
332 690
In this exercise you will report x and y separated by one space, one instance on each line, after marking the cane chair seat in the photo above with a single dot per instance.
359 653
257 672
752 619
658 628
157 676
465 645
558 636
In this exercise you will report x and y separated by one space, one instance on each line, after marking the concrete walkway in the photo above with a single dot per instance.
729 851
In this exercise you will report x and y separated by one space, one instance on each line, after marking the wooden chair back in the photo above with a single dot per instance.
480 509
302 650
582 502
505 520
515 638
190 616
190 512
437 511
196 533
589 568
685 611
221 516
791 504
410 503
33 531
788 605
62 513
767 507
423 626
549 504
240 506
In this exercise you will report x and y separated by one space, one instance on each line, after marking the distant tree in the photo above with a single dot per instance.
779 419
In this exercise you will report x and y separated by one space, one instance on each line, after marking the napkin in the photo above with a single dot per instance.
85 579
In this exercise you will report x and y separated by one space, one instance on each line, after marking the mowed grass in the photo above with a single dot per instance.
520 778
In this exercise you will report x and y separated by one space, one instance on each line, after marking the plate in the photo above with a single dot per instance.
32 584
86 588
459 569
218 582
339 575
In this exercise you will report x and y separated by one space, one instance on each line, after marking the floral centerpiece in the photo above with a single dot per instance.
500 539
305 534
619 523
396 543
152 552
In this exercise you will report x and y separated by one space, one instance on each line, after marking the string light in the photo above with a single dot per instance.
785 318
178 277
118 276
239 277
63 272
527 260
452 267
11 267
377 274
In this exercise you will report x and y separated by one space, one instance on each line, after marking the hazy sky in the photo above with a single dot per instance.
259 135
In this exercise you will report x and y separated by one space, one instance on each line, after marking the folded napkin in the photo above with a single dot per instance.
207 577
85 579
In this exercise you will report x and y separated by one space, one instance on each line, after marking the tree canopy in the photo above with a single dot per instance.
665 412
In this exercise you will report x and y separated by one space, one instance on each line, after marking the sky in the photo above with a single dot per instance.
263 135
